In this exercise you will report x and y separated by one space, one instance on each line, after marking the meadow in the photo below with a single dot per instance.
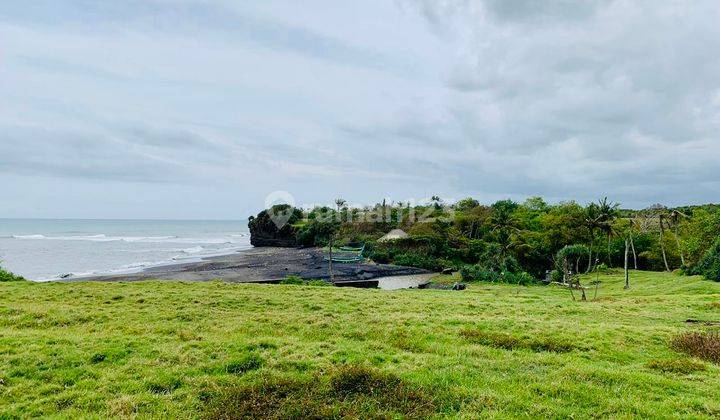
219 350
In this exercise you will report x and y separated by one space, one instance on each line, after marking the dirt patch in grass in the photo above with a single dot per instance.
511 342
703 345
679 366
349 391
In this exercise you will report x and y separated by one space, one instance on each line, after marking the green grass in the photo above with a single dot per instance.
175 349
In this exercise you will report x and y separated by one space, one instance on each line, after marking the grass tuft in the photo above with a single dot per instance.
679 366
350 391
97 358
247 363
703 345
164 384
511 342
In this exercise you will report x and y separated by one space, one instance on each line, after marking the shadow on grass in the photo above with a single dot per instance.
511 342
349 391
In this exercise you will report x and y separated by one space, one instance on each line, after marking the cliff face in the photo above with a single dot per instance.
273 227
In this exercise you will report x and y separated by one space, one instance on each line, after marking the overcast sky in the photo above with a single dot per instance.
202 108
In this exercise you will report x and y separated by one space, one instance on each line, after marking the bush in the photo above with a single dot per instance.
709 265
316 232
704 345
299 281
418 261
381 256
292 280
556 276
318 283
602 268
479 273
6 276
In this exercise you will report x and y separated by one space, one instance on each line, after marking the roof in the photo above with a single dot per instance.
393 234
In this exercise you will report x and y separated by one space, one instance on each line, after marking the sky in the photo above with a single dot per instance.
209 109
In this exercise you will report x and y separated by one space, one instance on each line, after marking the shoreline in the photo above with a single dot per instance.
265 265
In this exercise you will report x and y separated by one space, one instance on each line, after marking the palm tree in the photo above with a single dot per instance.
592 222
339 202
608 212
660 212
632 241
674 218
436 200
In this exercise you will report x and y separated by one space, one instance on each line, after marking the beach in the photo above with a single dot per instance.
272 265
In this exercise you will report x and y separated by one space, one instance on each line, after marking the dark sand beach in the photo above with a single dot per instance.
271 265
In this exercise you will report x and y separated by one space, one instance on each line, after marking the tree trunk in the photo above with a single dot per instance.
677 241
590 261
608 252
632 246
627 271
330 261
662 245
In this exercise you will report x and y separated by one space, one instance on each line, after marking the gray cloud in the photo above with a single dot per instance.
365 100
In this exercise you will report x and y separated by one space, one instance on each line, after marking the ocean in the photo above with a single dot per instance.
44 249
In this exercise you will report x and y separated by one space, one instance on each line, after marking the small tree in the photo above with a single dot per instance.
569 257
565 258
661 213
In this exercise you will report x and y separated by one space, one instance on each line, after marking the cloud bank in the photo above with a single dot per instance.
182 99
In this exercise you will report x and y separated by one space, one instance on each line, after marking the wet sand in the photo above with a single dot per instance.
271 265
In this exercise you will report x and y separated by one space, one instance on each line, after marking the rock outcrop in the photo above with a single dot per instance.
274 226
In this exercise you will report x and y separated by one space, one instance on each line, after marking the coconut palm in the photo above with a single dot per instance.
674 218
661 212
608 213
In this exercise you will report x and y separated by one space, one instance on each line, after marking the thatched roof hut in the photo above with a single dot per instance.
393 234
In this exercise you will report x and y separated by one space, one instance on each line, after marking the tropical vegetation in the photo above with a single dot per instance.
517 242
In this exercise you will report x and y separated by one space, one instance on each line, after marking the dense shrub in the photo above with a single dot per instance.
297 280
381 256
316 232
704 345
493 258
472 273
292 280
709 265
556 276
417 260
8 276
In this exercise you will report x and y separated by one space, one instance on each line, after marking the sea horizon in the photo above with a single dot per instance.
50 249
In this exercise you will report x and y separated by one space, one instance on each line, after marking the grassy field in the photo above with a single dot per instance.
215 350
